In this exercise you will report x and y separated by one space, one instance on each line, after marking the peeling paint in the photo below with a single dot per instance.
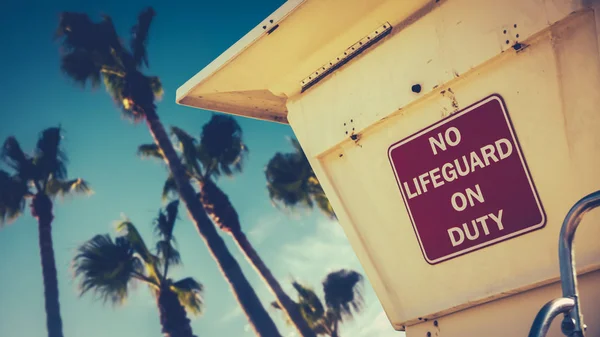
453 102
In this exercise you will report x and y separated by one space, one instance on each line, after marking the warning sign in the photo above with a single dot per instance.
465 183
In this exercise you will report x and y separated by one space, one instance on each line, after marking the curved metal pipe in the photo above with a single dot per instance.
544 318
566 255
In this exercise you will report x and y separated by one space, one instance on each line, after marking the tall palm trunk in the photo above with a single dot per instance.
41 209
334 332
173 318
219 208
249 301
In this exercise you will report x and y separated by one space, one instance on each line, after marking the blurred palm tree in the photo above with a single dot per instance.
291 182
108 268
39 177
92 52
221 151
343 300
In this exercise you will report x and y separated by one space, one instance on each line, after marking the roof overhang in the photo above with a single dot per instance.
255 77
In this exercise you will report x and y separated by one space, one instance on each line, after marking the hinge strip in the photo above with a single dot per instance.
346 56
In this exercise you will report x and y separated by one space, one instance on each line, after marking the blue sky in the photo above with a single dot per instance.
101 146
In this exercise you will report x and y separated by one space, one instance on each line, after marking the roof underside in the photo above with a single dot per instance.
256 76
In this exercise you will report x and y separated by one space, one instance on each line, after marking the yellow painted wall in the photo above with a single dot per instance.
457 51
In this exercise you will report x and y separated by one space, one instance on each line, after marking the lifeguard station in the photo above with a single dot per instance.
458 142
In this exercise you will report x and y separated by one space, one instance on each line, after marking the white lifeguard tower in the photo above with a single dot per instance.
452 137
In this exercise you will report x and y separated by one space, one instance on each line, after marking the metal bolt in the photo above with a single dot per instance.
567 326
435 323
428 334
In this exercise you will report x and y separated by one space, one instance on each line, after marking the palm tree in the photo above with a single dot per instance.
343 300
93 52
291 182
108 268
39 177
221 151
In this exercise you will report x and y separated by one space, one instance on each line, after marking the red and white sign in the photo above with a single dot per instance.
465 183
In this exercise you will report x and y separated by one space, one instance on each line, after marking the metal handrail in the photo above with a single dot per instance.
573 325
544 318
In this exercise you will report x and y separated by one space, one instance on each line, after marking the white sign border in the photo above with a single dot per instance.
446 120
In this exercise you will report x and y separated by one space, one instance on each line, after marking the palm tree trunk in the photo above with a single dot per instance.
221 211
173 318
286 303
243 291
41 209
334 332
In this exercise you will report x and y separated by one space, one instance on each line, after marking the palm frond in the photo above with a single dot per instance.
291 182
150 151
15 158
98 41
208 163
165 222
156 86
77 31
80 65
310 305
13 193
187 146
221 140
170 188
297 147
49 157
172 210
323 203
139 36
287 178
62 188
109 39
189 292
127 229
343 293
115 85
167 254
106 268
